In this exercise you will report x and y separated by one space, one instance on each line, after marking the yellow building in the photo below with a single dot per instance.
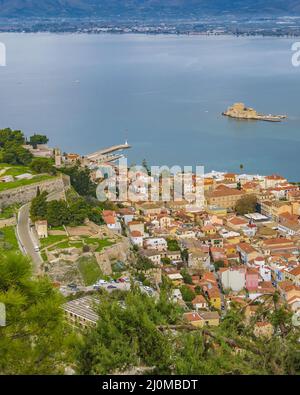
215 298
215 210
209 230
203 318
293 275
230 177
224 197
194 319
274 209
209 184
210 318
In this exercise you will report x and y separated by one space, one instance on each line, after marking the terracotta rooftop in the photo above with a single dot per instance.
222 190
136 233
192 317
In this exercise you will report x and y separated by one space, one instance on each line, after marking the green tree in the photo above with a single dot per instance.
173 245
38 208
166 261
58 213
185 255
129 323
218 265
42 165
35 339
95 215
38 139
15 154
81 180
187 294
126 336
198 290
11 136
79 211
143 263
246 204
187 278
146 167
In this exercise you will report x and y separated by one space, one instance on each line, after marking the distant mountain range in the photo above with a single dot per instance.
146 8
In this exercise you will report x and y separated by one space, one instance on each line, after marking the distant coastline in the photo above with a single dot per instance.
204 26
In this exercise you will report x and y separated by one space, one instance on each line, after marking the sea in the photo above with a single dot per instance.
163 94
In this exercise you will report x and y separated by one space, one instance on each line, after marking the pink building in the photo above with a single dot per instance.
252 279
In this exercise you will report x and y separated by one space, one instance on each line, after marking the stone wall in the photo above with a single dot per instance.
117 252
26 193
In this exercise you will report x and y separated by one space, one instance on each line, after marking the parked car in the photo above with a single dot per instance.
72 286
111 287
101 282
121 280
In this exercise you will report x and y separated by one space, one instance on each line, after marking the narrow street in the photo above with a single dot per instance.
27 239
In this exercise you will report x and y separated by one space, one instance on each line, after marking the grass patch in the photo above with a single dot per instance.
16 170
72 195
8 212
67 244
100 243
20 183
57 228
8 239
51 239
89 270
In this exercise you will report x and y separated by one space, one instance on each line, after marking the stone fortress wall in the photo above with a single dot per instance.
25 194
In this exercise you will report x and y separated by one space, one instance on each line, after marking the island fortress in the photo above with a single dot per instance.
240 111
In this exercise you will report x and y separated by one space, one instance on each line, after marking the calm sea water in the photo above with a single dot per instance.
164 94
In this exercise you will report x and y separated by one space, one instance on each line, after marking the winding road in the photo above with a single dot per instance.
26 237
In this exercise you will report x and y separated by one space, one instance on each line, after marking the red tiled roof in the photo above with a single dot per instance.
275 177
222 190
192 317
109 220
199 299
136 233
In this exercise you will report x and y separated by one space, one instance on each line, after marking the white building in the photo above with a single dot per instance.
156 243
136 238
233 278
41 228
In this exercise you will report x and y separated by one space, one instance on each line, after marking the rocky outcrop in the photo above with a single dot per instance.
240 111
118 252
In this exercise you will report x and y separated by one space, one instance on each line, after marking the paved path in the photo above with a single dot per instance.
26 237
